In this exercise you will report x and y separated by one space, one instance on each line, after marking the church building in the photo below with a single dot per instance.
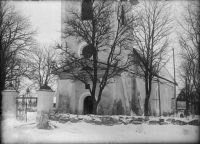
124 95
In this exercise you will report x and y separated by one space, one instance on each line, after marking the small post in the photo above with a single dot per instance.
26 108
174 103
27 94
159 97
174 75
159 92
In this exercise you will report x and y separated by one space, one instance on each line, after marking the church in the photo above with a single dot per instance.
124 95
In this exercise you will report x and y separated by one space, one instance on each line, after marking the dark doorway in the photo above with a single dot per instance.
88 105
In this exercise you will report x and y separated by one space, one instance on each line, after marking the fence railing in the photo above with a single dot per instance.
24 105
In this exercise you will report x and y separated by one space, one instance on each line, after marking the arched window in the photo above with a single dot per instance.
85 50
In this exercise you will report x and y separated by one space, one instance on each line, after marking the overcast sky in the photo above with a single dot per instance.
45 16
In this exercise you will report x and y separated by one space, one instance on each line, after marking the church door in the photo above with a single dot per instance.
88 105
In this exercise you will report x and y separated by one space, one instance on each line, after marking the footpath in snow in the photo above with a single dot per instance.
85 129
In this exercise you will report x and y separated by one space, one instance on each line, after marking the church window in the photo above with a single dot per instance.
87 51
122 14
86 11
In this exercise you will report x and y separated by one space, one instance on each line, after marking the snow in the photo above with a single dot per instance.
14 131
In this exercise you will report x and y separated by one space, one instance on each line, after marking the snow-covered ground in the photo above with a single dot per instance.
26 132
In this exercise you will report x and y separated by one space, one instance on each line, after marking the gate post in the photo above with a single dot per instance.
45 101
9 108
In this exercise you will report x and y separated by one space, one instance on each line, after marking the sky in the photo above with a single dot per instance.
45 16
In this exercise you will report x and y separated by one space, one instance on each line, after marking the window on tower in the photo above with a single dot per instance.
87 51
86 11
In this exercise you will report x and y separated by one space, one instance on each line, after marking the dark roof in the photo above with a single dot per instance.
45 87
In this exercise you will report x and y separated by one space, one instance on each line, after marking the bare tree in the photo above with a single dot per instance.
16 35
186 78
151 42
189 40
40 62
105 33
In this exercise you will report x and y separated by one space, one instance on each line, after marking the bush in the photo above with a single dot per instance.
187 112
118 108
165 114
172 112
181 115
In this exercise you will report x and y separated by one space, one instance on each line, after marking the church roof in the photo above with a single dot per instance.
163 74
66 72
166 74
69 70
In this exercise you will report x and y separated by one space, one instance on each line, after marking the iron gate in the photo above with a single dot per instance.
25 104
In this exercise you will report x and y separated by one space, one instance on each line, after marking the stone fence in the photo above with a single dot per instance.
116 120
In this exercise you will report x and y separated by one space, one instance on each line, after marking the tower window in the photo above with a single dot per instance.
123 14
86 11
87 51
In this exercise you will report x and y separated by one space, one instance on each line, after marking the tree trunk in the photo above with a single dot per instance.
199 57
187 110
94 110
146 106
187 103
1 97
147 90
2 78
2 87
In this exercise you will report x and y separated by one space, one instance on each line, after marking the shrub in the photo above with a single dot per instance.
117 108
187 112
165 113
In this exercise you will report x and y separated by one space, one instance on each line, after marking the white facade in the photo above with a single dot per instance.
123 96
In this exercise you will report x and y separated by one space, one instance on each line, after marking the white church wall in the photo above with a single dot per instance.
154 99
107 100
69 94
130 90
65 91
140 92
154 104
166 93
120 97
127 85
126 91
